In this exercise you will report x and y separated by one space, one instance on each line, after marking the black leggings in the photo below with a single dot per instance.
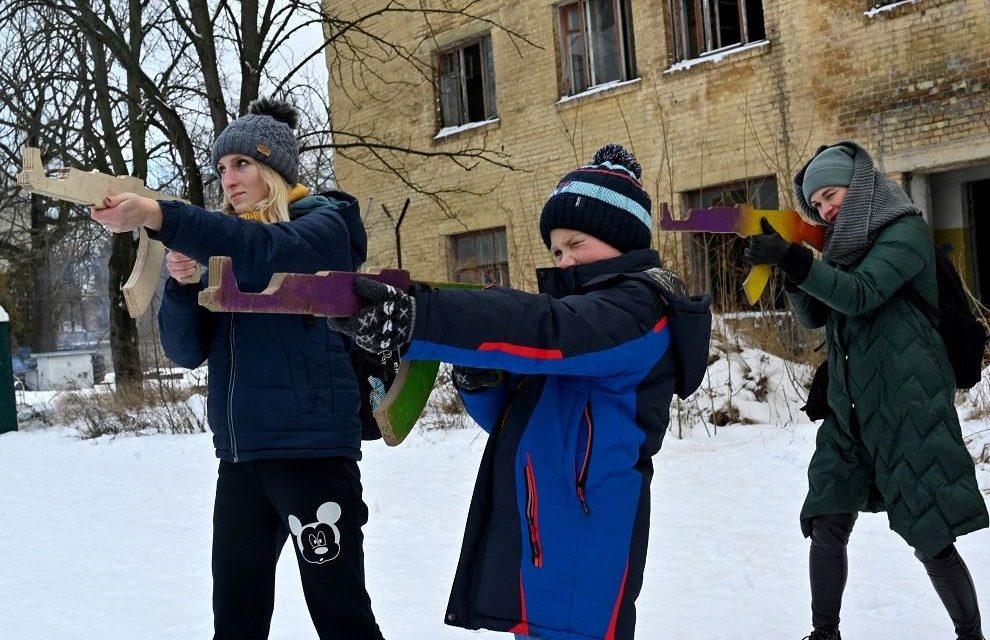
828 571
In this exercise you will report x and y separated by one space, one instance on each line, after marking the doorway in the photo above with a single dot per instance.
978 201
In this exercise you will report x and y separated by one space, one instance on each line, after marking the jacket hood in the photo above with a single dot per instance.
346 206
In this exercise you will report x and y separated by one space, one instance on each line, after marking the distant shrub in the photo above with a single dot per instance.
159 406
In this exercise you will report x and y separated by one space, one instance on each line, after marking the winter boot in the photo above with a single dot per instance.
824 635
954 586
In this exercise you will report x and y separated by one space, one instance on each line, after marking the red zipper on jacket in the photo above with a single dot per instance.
532 514
582 477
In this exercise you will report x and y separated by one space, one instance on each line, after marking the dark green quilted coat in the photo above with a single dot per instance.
893 441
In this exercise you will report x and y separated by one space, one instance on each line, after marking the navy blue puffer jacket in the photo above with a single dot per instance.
280 386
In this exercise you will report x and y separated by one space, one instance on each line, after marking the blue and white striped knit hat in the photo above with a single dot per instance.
604 199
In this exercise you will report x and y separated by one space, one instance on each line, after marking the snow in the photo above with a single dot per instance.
449 131
716 56
110 538
875 11
598 88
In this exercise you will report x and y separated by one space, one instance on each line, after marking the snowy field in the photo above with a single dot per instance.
109 539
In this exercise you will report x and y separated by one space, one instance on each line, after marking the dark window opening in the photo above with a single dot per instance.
704 26
715 259
467 83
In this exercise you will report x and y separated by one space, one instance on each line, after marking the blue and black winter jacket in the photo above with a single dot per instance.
556 536
280 386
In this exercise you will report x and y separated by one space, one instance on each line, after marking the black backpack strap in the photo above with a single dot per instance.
929 310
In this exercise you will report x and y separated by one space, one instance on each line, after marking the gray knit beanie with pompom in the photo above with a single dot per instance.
265 133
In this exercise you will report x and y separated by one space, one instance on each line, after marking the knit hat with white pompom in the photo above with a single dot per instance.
604 199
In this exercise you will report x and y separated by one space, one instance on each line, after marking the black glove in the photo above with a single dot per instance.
474 379
767 248
384 325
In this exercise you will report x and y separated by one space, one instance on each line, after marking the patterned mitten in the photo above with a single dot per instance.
384 325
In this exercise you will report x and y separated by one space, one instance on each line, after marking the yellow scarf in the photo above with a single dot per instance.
297 192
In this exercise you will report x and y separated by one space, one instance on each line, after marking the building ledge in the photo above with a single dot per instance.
616 87
449 133
735 52
891 10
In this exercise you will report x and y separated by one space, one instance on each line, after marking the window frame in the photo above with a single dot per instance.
707 28
489 100
711 255
624 39
458 267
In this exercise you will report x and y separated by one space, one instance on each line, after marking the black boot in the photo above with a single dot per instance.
954 586
824 635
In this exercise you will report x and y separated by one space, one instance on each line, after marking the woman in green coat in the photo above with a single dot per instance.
892 440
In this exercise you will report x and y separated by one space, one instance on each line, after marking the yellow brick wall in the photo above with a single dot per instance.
917 77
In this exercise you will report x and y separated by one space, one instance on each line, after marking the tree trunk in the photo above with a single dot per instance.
123 330
44 329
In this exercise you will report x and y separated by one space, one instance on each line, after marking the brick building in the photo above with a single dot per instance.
721 101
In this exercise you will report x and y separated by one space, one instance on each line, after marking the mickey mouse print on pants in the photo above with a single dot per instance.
319 541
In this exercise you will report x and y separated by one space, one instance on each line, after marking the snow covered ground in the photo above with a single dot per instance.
109 539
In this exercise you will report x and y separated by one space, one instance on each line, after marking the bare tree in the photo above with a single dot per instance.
40 89
153 84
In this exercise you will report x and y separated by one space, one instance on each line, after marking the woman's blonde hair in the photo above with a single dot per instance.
274 208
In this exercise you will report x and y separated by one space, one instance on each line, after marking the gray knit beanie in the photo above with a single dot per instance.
265 134
833 167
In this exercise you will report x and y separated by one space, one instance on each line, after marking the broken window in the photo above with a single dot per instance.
466 83
596 43
480 256
715 259
704 26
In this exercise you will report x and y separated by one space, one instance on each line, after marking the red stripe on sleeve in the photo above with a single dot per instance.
532 353
661 323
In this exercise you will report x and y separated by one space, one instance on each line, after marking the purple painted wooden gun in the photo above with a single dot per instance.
327 293
330 293
744 220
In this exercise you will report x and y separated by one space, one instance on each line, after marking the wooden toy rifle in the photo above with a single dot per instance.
744 221
90 188
331 294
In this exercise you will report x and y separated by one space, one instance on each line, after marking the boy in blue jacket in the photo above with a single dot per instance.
574 386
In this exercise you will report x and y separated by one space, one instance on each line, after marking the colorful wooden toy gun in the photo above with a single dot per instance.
744 221
90 188
331 294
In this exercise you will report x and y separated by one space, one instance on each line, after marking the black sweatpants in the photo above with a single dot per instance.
316 503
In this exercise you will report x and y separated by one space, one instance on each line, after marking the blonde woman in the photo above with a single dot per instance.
283 400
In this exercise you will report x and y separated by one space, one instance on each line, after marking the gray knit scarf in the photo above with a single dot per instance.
874 200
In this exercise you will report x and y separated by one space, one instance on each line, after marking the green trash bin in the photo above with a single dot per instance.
8 403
